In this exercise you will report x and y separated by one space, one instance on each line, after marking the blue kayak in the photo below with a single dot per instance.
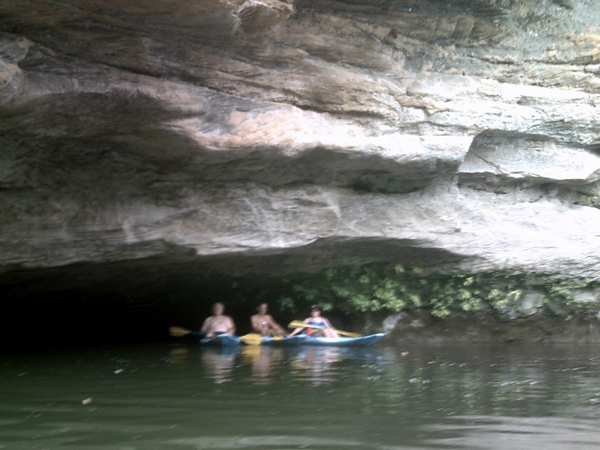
363 341
222 340
282 341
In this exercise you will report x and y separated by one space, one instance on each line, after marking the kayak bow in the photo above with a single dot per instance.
363 341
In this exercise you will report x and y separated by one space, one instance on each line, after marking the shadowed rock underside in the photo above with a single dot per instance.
273 137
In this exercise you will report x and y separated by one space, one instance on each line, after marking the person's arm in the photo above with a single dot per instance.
298 330
276 327
231 329
330 330
206 326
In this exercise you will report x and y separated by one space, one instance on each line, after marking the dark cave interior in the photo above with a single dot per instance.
88 304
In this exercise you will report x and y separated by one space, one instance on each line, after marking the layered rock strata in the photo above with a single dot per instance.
271 136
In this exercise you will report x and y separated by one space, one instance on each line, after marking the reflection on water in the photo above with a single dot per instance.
264 362
188 397
317 364
179 355
219 363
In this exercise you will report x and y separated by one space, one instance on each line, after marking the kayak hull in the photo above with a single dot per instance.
225 340
222 340
282 342
363 341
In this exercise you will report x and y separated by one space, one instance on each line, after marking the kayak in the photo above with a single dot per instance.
222 340
226 340
363 341
257 339
282 341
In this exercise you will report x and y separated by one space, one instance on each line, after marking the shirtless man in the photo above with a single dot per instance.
264 324
218 323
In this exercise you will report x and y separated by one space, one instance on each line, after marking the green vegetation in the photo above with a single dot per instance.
378 287
356 291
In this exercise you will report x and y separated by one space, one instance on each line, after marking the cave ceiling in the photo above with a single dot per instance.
273 137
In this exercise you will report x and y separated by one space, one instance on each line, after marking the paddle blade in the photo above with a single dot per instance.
251 339
178 332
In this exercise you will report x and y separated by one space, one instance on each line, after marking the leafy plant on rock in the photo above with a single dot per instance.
379 287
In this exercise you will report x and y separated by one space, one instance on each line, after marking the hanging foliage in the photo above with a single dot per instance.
377 287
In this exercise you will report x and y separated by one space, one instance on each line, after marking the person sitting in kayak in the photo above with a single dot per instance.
316 319
264 324
218 323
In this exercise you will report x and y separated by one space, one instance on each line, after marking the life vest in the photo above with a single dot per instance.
310 331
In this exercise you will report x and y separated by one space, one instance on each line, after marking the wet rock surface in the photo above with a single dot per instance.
543 329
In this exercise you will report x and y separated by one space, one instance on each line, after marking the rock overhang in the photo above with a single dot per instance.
293 136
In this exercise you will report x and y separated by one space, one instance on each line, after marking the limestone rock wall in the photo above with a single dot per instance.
283 136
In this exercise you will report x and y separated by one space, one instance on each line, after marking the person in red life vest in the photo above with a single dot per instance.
316 319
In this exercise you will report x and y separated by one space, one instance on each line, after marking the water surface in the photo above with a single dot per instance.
181 396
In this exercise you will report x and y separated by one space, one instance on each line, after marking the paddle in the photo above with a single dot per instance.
255 339
178 332
299 324
251 339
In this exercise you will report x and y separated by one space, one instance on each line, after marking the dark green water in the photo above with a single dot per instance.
171 396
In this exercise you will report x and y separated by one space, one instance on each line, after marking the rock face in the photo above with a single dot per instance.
248 136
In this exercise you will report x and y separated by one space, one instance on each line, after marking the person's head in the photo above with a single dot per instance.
315 310
262 308
218 308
